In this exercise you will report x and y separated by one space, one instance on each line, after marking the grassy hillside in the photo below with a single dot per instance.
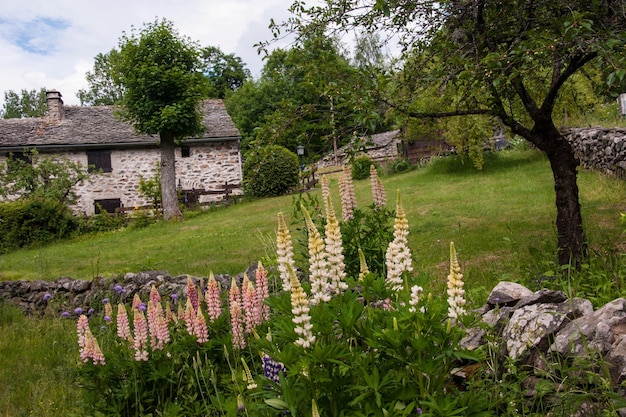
501 220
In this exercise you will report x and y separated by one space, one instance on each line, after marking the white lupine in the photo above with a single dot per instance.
456 292
398 255
416 292
284 251
334 251
300 310
318 265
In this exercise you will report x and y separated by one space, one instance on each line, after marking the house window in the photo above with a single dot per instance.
99 161
185 151
107 204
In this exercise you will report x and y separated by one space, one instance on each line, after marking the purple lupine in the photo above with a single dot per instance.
273 369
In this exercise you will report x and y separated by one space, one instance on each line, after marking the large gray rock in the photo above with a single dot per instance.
508 293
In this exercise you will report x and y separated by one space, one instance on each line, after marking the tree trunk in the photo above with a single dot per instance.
572 246
169 195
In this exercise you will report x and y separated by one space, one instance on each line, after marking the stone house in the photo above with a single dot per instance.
93 136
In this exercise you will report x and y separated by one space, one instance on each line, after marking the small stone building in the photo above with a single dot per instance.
94 136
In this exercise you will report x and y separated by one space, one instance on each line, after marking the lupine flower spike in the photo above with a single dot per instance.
247 375
123 325
236 317
398 256
416 293
251 312
87 343
456 292
378 190
192 294
364 270
140 343
212 298
200 329
300 310
346 191
262 292
334 251
314 411
318 265
284 251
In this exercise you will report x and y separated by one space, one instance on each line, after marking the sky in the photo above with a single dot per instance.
52 44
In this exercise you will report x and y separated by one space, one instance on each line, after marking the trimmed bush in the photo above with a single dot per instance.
270 171
34 221
361 167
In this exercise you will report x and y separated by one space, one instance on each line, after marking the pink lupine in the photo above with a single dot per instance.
378 190
346 191
192 293
212 298
97 355
189 317
123 325
136 302
153 322
82 327
236 316
140 343
252 315
155 297
262 292
200 329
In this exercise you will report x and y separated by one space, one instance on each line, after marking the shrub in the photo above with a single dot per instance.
361 167
270 171
34 221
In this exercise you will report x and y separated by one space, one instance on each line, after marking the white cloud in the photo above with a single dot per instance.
52 44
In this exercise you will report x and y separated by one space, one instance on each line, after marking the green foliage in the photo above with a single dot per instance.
103 222
34 221
151 187
36 177
27 104
360 166
226 72
104 88
270 171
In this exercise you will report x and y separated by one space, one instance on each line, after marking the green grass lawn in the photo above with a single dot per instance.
501 220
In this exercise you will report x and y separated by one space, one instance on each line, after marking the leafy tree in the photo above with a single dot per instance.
31 177
26 104
103 89
226 72
161 73
510 60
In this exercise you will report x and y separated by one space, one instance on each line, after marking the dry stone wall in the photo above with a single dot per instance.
601 149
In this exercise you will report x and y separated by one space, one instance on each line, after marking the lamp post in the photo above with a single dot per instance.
300 152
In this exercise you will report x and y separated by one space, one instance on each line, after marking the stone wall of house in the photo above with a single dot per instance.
601 149
208 167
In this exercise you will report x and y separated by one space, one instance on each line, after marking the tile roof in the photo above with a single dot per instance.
97 125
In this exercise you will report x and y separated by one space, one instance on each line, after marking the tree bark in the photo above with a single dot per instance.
572 246
169 195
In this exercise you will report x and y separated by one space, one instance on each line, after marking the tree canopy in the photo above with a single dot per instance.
510 60
25 104
161 73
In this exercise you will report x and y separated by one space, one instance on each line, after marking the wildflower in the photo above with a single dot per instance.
212 298
334 251
251 313
155 316
108 310
189 317
97 355
398 255
273 369
300 310
419 411
155 297
346 191
284 251
192 293
456 292
364 270
199 327
247 375
318 265
65 314
174 296
107 319
140 342
240 404
90 311
119 289
47 296
82 326
325 188
236 316
142 307
78 311
106 301
123 325
136 302
416 292
262 292
87 343
378 190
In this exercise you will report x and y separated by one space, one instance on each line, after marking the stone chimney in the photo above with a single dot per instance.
55 106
